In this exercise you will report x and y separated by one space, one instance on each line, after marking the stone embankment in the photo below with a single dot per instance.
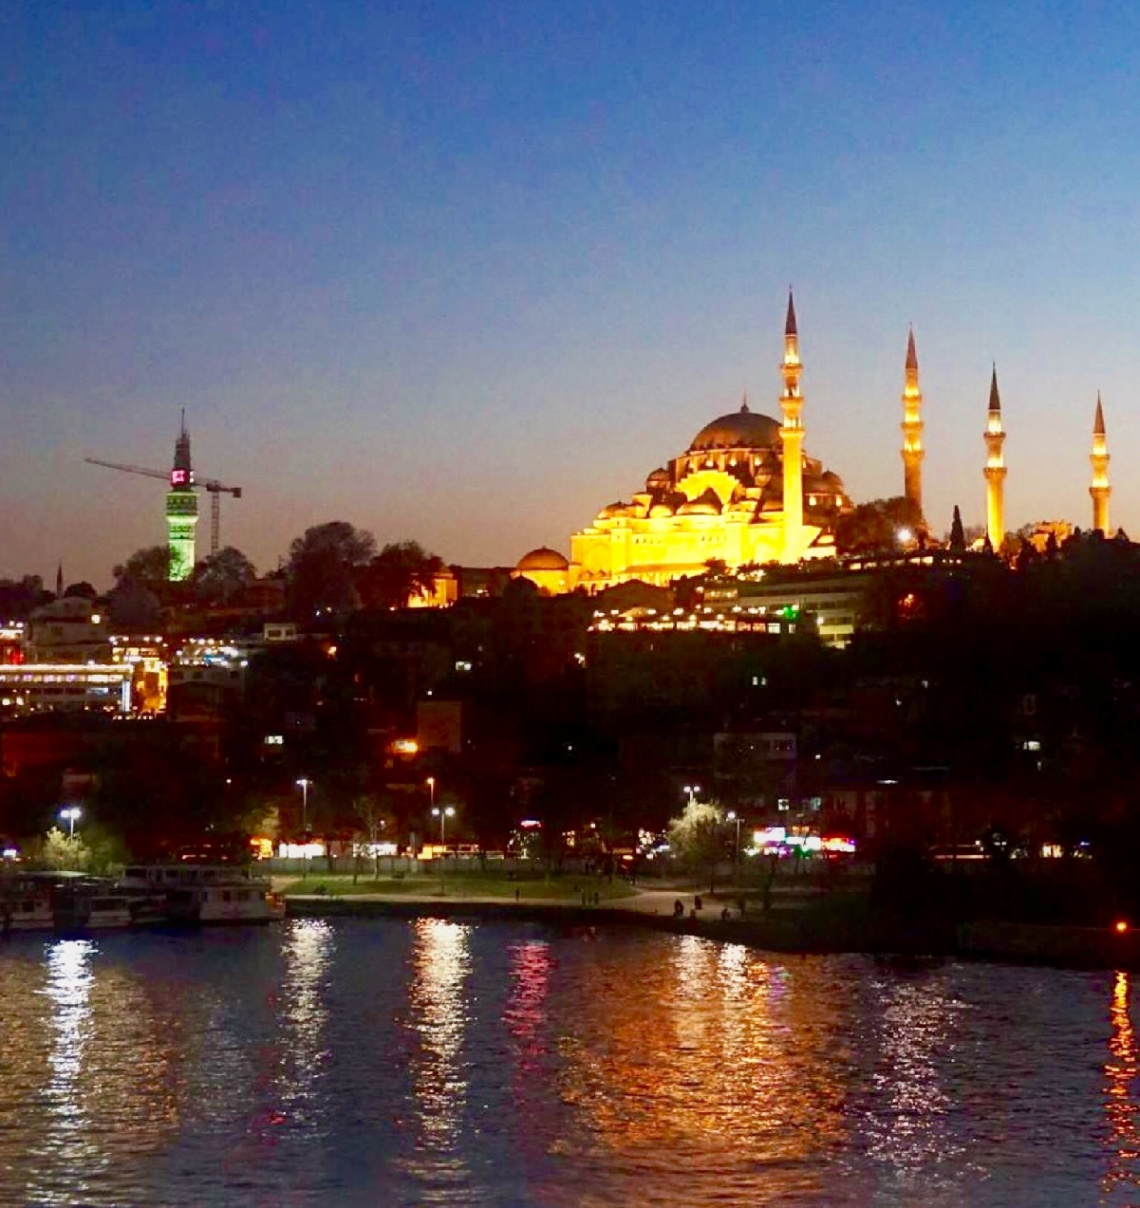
788 931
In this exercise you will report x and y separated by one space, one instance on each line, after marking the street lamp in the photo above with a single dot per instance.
448 811
431 790
71 815
692 790
733 816
303 785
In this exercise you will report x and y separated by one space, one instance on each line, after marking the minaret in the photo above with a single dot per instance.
792 437
912 451
1100 489
181 509
995 469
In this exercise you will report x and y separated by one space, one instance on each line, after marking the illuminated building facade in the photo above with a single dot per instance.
742 492
181 510
55 687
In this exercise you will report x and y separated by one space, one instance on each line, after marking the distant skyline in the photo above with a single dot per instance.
465 272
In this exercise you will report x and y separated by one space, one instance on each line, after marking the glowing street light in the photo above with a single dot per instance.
448 811
303 785
692 790
71 815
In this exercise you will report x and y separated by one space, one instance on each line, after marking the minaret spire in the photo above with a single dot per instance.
912 450
792 439
995 469
1099 489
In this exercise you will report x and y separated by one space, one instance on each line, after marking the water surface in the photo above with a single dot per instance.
377 1062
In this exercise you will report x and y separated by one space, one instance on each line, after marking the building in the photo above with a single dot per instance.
742 492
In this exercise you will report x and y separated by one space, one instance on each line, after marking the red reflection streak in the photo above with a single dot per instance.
524 1015
1120 1071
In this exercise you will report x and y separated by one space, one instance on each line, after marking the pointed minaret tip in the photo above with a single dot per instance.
995 398
744 403
1098 423
790 324
911 355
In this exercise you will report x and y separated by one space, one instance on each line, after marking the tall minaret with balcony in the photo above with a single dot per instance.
792 439
995 469
1100 489
912 451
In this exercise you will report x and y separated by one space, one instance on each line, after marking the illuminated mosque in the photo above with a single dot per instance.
745 493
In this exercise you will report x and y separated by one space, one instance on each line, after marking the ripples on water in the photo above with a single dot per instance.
436 1063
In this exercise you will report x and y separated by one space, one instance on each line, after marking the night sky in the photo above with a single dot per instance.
467 271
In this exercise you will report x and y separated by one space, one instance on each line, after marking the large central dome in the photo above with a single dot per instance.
741 429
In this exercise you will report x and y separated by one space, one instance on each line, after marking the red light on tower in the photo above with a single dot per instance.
1120 927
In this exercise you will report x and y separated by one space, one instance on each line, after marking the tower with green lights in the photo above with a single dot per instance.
181 509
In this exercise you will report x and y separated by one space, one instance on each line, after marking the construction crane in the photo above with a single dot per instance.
212 486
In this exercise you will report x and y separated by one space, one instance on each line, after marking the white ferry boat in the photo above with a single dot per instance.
26 911
85 908
207 893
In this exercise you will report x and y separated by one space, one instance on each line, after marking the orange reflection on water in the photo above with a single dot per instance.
718 1069
1120 1104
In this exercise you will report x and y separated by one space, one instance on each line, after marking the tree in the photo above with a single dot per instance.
323 564
876 525
697 838
81 591
60 851
134 608
401 571
149 566
221 576
372 824
20 597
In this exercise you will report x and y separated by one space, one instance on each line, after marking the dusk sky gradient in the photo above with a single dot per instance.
465 272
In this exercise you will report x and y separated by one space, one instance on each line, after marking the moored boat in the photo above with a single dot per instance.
222 902
80 909
207 893
26 911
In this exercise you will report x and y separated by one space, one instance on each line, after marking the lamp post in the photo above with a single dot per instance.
71 815
692 790
733 816
431 791
303 785
448 811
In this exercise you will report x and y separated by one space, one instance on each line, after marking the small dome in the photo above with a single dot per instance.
542 558
741 429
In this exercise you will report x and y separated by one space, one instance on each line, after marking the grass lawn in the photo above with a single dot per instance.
461 884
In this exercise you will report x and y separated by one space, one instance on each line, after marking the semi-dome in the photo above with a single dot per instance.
542 558
743 429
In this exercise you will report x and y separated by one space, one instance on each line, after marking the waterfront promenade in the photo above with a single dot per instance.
798 922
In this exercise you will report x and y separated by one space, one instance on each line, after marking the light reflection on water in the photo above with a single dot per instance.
439 1015
1120 1105
434 1062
